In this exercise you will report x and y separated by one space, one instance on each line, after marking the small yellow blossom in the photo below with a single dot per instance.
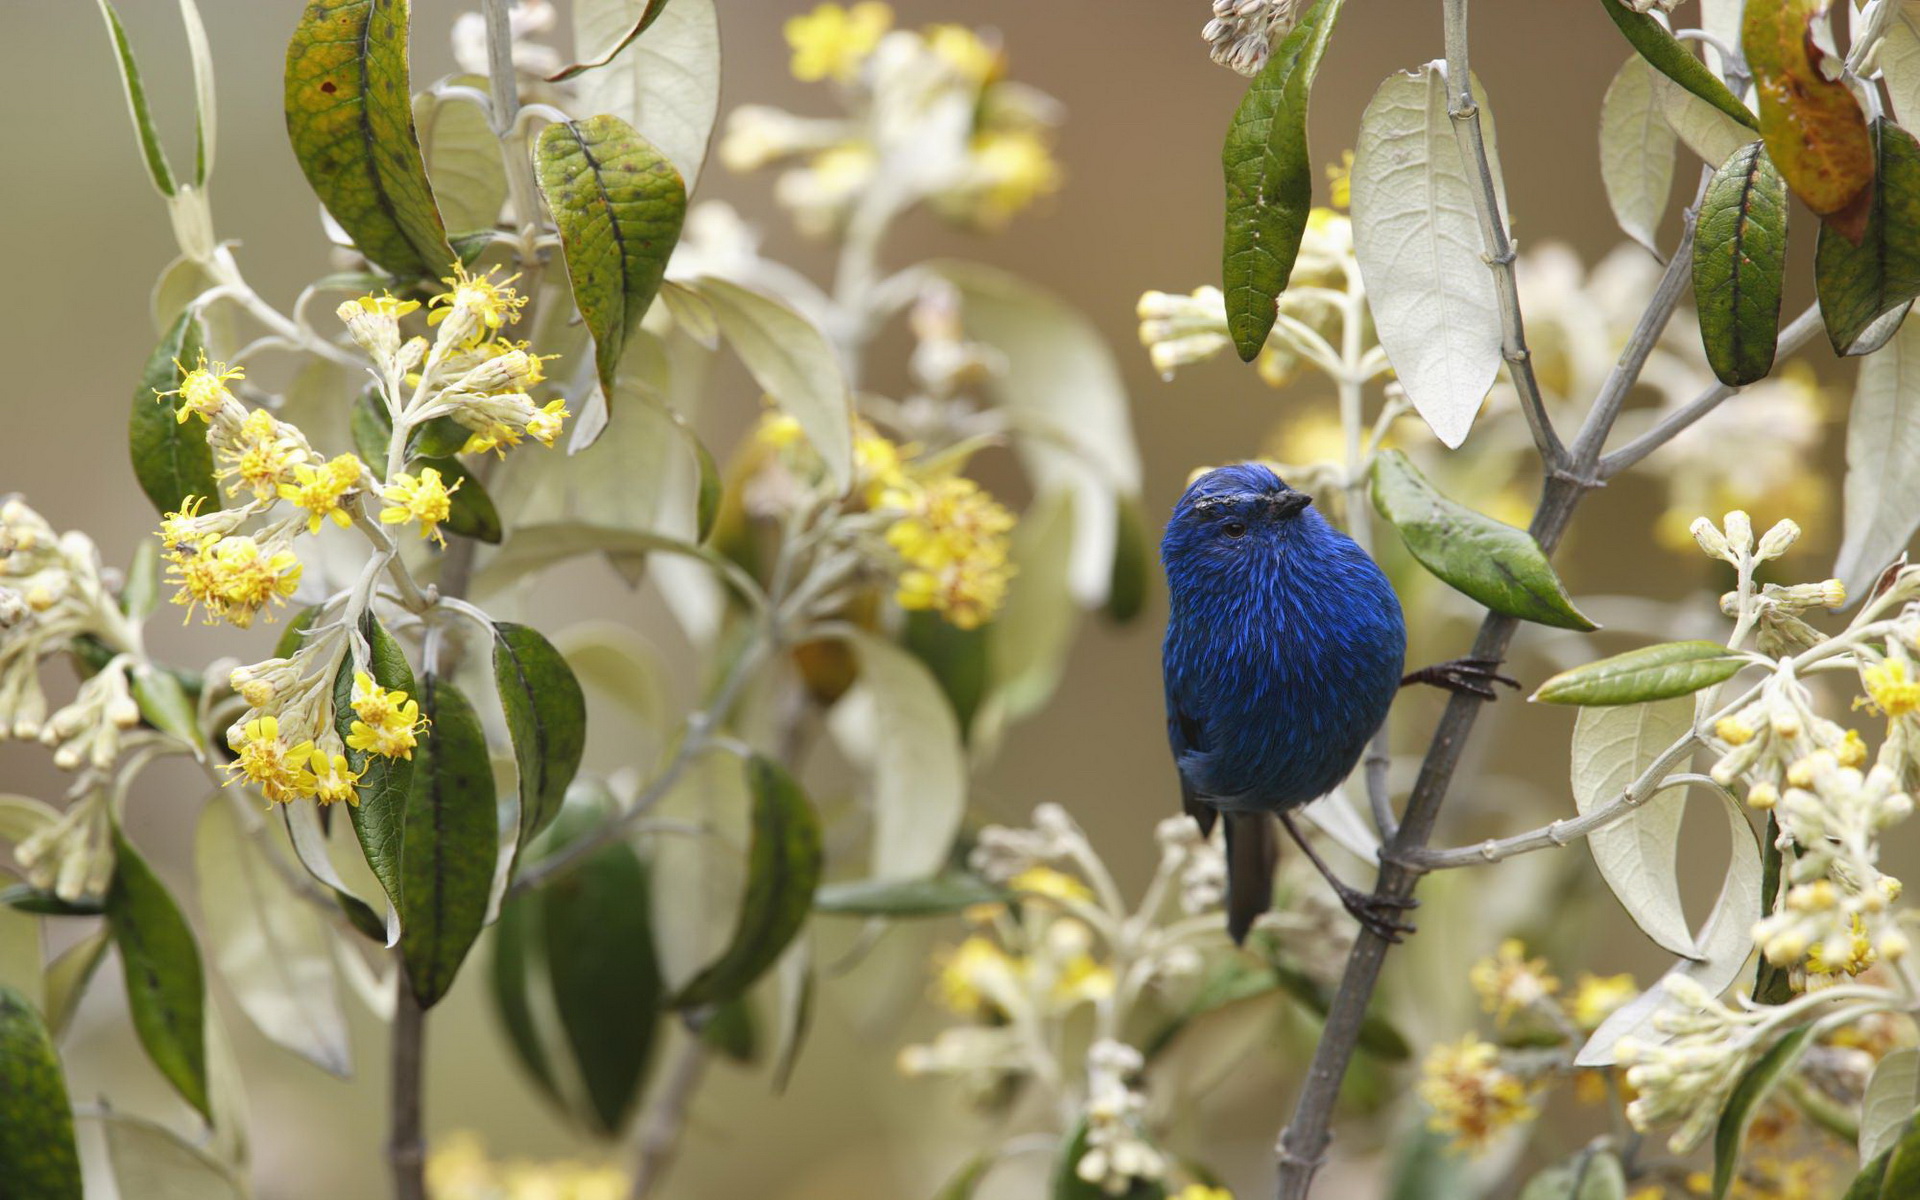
493 305
831 42
1471 1095
233 577
1596 997
970 55
1852 751
976 976
385 305
333 779
1510 983
1340 181
190 527
1050 884
424 498
459 1169
1859 953
203 390
269 763
544 425
389 719
1014 168
1200 1191
1891 689
319 490
262 456
953 540
1082 979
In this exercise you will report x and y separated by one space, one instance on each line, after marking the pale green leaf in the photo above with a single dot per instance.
1882 493
666 84
793 362
1657 672
1892 1097
1637 151
205 123
154 1163
1028 643
1638 856
132 86
462 157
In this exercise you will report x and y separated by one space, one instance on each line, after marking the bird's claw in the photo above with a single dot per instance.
1378 913
1471 676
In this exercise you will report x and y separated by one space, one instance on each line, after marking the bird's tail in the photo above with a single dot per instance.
1252 850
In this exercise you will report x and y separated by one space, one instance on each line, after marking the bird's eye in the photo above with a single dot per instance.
1234 529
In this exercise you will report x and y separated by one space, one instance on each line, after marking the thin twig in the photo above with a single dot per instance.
1792 338
1493 231
667 1115
406 1145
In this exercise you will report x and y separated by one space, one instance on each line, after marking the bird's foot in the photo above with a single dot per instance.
1471 676
1378 914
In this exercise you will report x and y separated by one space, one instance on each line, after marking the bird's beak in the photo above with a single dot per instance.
1289 502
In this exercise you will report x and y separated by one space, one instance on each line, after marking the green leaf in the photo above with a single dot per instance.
648 15
350 116
935 896
166 704
1067 1184
957 657
1772 984
1270 178
1745 1101
379 818
448 842
517 957
25 898
154 1163
1859 284
204 109
141 593
1739 264
734 1031
1494 563
1882 492
1671 58
462 156
1903 1165
151 149
1866 1185
272 948
793 362
1132 563
966 1180
165 991
618 203
546 716
171 459
666 85
471 511
783 869
1891 1098
1649 673
69 974
1815 131
38 1159
1637 150
1588 1176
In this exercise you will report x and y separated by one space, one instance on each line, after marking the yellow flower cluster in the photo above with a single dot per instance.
952 538
1891 689
424 498
1510 983
285 772
203 390
319 490
233 578
831 42
1472 1096
389 719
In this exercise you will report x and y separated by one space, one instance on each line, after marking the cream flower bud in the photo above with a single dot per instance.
1709 538
1739 530
1775 541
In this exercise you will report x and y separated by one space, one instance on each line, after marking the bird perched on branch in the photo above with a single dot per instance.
1285 646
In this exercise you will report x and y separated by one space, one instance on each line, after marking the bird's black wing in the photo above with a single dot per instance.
1188 737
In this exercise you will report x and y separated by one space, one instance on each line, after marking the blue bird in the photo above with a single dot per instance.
1285 647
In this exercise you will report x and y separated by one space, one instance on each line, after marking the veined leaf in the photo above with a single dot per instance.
618 203
171 458
1637 150
606 979
1667 55
379 818
783 869
1892 1096
1497 565
1650 673
154 1163
648 15
1858 284
546 717
1416 234
666 84
166 994
1902 1177
1744 1101
897 722
1711 134
350 117
273 949
151 149
449 842
1813 127
462 157
1739 264
792 362
1899 62
1882 493
1270 178
38 1159
1638 856
933 896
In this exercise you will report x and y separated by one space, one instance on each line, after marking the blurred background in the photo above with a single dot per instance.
1145 112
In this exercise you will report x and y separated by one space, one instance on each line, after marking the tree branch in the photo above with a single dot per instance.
1465 113
406 1145
667 1115
1792 338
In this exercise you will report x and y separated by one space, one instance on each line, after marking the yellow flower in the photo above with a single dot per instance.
1510 982
1051 884
1891 690
1082 978
1014 169
191 527
1200 1191
1340 181
492 304
1471 1095
234 577
424 498
388 719
1852 751
203 390
269 763
1859 953
333 779
1595 997
953 542
966 52
545 425
832 42
385 305
262 456
319 489
976 977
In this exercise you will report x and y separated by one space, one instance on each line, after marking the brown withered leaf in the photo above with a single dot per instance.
1814 129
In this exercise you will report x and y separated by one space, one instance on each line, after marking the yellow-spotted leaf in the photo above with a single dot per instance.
1812 125
1860 283
166 993
349 107
171 458
38 1160
1739 265
618 203
449 841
